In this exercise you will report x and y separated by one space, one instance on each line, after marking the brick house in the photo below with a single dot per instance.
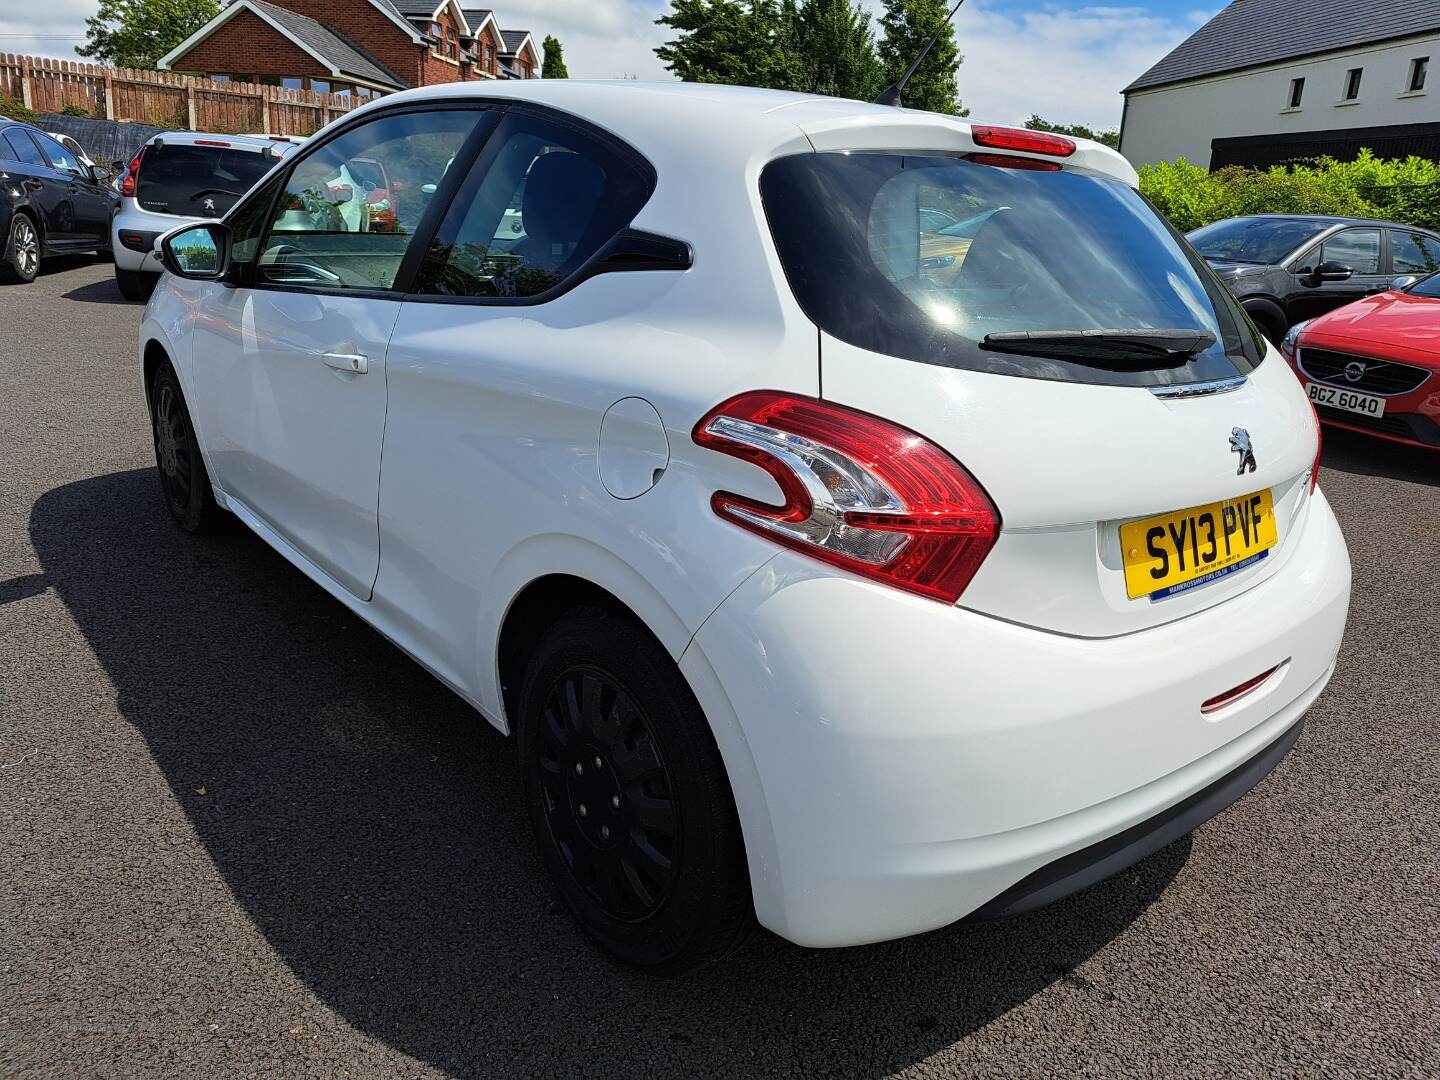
360 47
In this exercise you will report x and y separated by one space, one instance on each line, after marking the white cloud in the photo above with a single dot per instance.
1066 63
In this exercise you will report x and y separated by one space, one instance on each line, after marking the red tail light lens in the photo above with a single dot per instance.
132 176
1023 140
1009 161
860 493
1235 693
1319 449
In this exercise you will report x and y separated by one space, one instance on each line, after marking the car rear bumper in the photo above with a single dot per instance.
899 764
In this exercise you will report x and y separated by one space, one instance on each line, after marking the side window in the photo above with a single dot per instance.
1358 249
60 158
349 209
22 149
1412 254
548 199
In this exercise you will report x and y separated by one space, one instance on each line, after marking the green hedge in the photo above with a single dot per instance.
15 109
1406 191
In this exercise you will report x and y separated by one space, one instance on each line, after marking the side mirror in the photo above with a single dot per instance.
199 252
118 166
100 174
1332 271
1404 281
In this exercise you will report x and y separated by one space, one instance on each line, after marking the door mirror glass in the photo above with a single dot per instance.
1404 281
100 174
200 252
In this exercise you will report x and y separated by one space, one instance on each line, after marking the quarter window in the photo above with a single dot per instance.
1412 254
544 200
349 209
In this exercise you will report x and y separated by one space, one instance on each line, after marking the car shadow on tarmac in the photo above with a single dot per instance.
370 824
1352 452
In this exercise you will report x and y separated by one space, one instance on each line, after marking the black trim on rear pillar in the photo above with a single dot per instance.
1083 868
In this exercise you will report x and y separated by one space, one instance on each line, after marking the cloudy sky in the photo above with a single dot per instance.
1065 59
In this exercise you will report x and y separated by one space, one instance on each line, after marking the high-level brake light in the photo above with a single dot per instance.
859 492
1022 140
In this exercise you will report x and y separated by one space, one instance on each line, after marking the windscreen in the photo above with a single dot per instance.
1429 288
197 181
1262 241
926 256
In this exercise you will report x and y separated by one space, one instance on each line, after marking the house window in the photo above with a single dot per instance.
293 84
1419 68
1352 83
320 86
1297 91
219 78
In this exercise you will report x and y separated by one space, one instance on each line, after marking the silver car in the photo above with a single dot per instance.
175 178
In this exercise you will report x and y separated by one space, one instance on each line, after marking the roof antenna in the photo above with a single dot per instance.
891 94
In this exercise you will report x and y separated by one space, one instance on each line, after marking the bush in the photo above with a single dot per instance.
1406 191
16 110
74 110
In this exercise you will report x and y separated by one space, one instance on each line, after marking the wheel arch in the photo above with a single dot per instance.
1271 309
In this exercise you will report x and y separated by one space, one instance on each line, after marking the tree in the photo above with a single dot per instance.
137 33
907 25
835 49
554 64
743 42
1078 131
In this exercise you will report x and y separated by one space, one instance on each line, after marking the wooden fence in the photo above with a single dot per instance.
166 99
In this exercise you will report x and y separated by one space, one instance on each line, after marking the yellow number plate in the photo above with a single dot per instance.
1173 553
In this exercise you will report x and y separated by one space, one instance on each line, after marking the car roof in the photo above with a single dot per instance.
693 124
1328 219
205 138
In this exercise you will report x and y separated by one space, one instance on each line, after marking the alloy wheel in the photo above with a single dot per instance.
608 796
27 247
172 445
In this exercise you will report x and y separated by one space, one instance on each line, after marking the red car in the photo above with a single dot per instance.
1374 365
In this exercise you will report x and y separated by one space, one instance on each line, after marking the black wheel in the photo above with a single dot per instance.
135 285
628 796
183 479
1269 319
20 261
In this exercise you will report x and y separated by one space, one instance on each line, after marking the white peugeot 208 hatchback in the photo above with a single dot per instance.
861 518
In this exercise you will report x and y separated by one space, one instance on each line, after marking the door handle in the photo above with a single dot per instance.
351 362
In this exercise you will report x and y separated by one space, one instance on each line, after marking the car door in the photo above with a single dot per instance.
1361 249
43 188
289 359
90 203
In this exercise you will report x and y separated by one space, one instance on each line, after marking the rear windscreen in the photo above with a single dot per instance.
923 256
197 181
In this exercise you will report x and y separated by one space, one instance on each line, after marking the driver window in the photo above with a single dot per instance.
348 211
1359 249
59 157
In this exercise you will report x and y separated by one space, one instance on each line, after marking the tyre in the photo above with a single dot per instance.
628 797
1269 319
20 261
135 285
183 480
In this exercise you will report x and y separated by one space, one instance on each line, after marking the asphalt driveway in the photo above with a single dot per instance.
241 834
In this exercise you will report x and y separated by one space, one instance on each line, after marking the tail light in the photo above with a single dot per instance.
1023 140
131 182
1319 449
860 493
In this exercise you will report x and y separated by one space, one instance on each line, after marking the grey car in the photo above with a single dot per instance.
1289 267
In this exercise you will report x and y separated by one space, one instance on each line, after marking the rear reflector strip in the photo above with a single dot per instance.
1235 693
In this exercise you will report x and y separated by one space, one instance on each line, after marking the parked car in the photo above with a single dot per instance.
1374 365
73 146
1289 267
50 203
177 177
808 587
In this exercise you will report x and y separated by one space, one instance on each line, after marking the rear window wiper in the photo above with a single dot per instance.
1144 345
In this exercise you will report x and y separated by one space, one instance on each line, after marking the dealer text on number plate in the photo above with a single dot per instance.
1173 553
